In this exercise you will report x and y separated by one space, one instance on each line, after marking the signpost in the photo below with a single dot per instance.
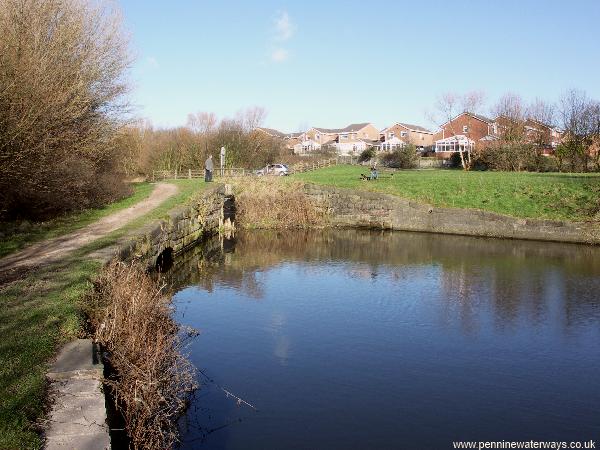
222 161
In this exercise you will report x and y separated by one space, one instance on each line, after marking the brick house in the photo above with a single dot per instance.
535 132
463 133
351 139
291 139
401 134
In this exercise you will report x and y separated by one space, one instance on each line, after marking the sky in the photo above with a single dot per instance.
332 63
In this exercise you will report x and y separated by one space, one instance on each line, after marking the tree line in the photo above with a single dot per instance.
146 148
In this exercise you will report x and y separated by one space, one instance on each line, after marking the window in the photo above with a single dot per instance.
465 129
318 136
403 133
391 135
344 136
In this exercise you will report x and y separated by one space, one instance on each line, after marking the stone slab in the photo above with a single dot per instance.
76 356
98 441
78 416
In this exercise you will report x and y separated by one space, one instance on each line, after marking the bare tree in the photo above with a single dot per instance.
541 111
251 118
578 116
450 105
202 122
594 139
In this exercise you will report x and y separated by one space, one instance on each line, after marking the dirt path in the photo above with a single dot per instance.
52 250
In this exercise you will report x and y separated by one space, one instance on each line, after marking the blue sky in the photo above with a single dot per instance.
329 64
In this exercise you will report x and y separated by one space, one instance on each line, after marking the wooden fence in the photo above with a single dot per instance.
309 166
194 173
423 163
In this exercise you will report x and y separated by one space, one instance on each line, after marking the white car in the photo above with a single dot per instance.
274 169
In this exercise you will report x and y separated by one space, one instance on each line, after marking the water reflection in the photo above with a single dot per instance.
359 339
521 279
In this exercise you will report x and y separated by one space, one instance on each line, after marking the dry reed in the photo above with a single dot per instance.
152 379
268 202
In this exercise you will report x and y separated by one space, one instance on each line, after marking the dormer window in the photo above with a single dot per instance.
465 129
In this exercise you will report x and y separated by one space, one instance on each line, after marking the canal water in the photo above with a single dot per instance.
350 339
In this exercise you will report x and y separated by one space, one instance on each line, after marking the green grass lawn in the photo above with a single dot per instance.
559 196
41 312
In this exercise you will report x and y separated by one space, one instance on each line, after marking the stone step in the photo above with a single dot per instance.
78 416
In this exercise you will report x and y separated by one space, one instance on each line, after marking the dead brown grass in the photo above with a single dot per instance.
269 202
153 379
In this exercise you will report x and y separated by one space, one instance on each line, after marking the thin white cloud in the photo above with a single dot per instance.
283 30
279 55
152 62
284 27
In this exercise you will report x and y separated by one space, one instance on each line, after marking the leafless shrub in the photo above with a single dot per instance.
271 203
581 123
132 318
62 86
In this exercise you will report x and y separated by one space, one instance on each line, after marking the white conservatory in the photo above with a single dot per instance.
458 143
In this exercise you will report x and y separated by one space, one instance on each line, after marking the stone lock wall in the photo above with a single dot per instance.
350 208
183 227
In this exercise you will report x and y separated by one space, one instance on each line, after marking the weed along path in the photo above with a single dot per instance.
52 250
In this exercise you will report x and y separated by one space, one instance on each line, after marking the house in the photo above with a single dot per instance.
306 146
291 139
532 131
545 135
271 132
401 134
351 139
463 133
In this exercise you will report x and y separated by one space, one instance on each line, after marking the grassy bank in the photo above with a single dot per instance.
41 312
558 196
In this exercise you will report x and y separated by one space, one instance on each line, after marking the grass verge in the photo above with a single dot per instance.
42 311
17 236
557 196
38 314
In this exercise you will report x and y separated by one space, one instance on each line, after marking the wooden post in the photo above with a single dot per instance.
175 170
190 174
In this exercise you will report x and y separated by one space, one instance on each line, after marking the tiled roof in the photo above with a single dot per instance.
349 129
480 117
414 127
272 132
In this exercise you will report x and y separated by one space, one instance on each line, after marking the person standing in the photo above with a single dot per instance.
208 169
